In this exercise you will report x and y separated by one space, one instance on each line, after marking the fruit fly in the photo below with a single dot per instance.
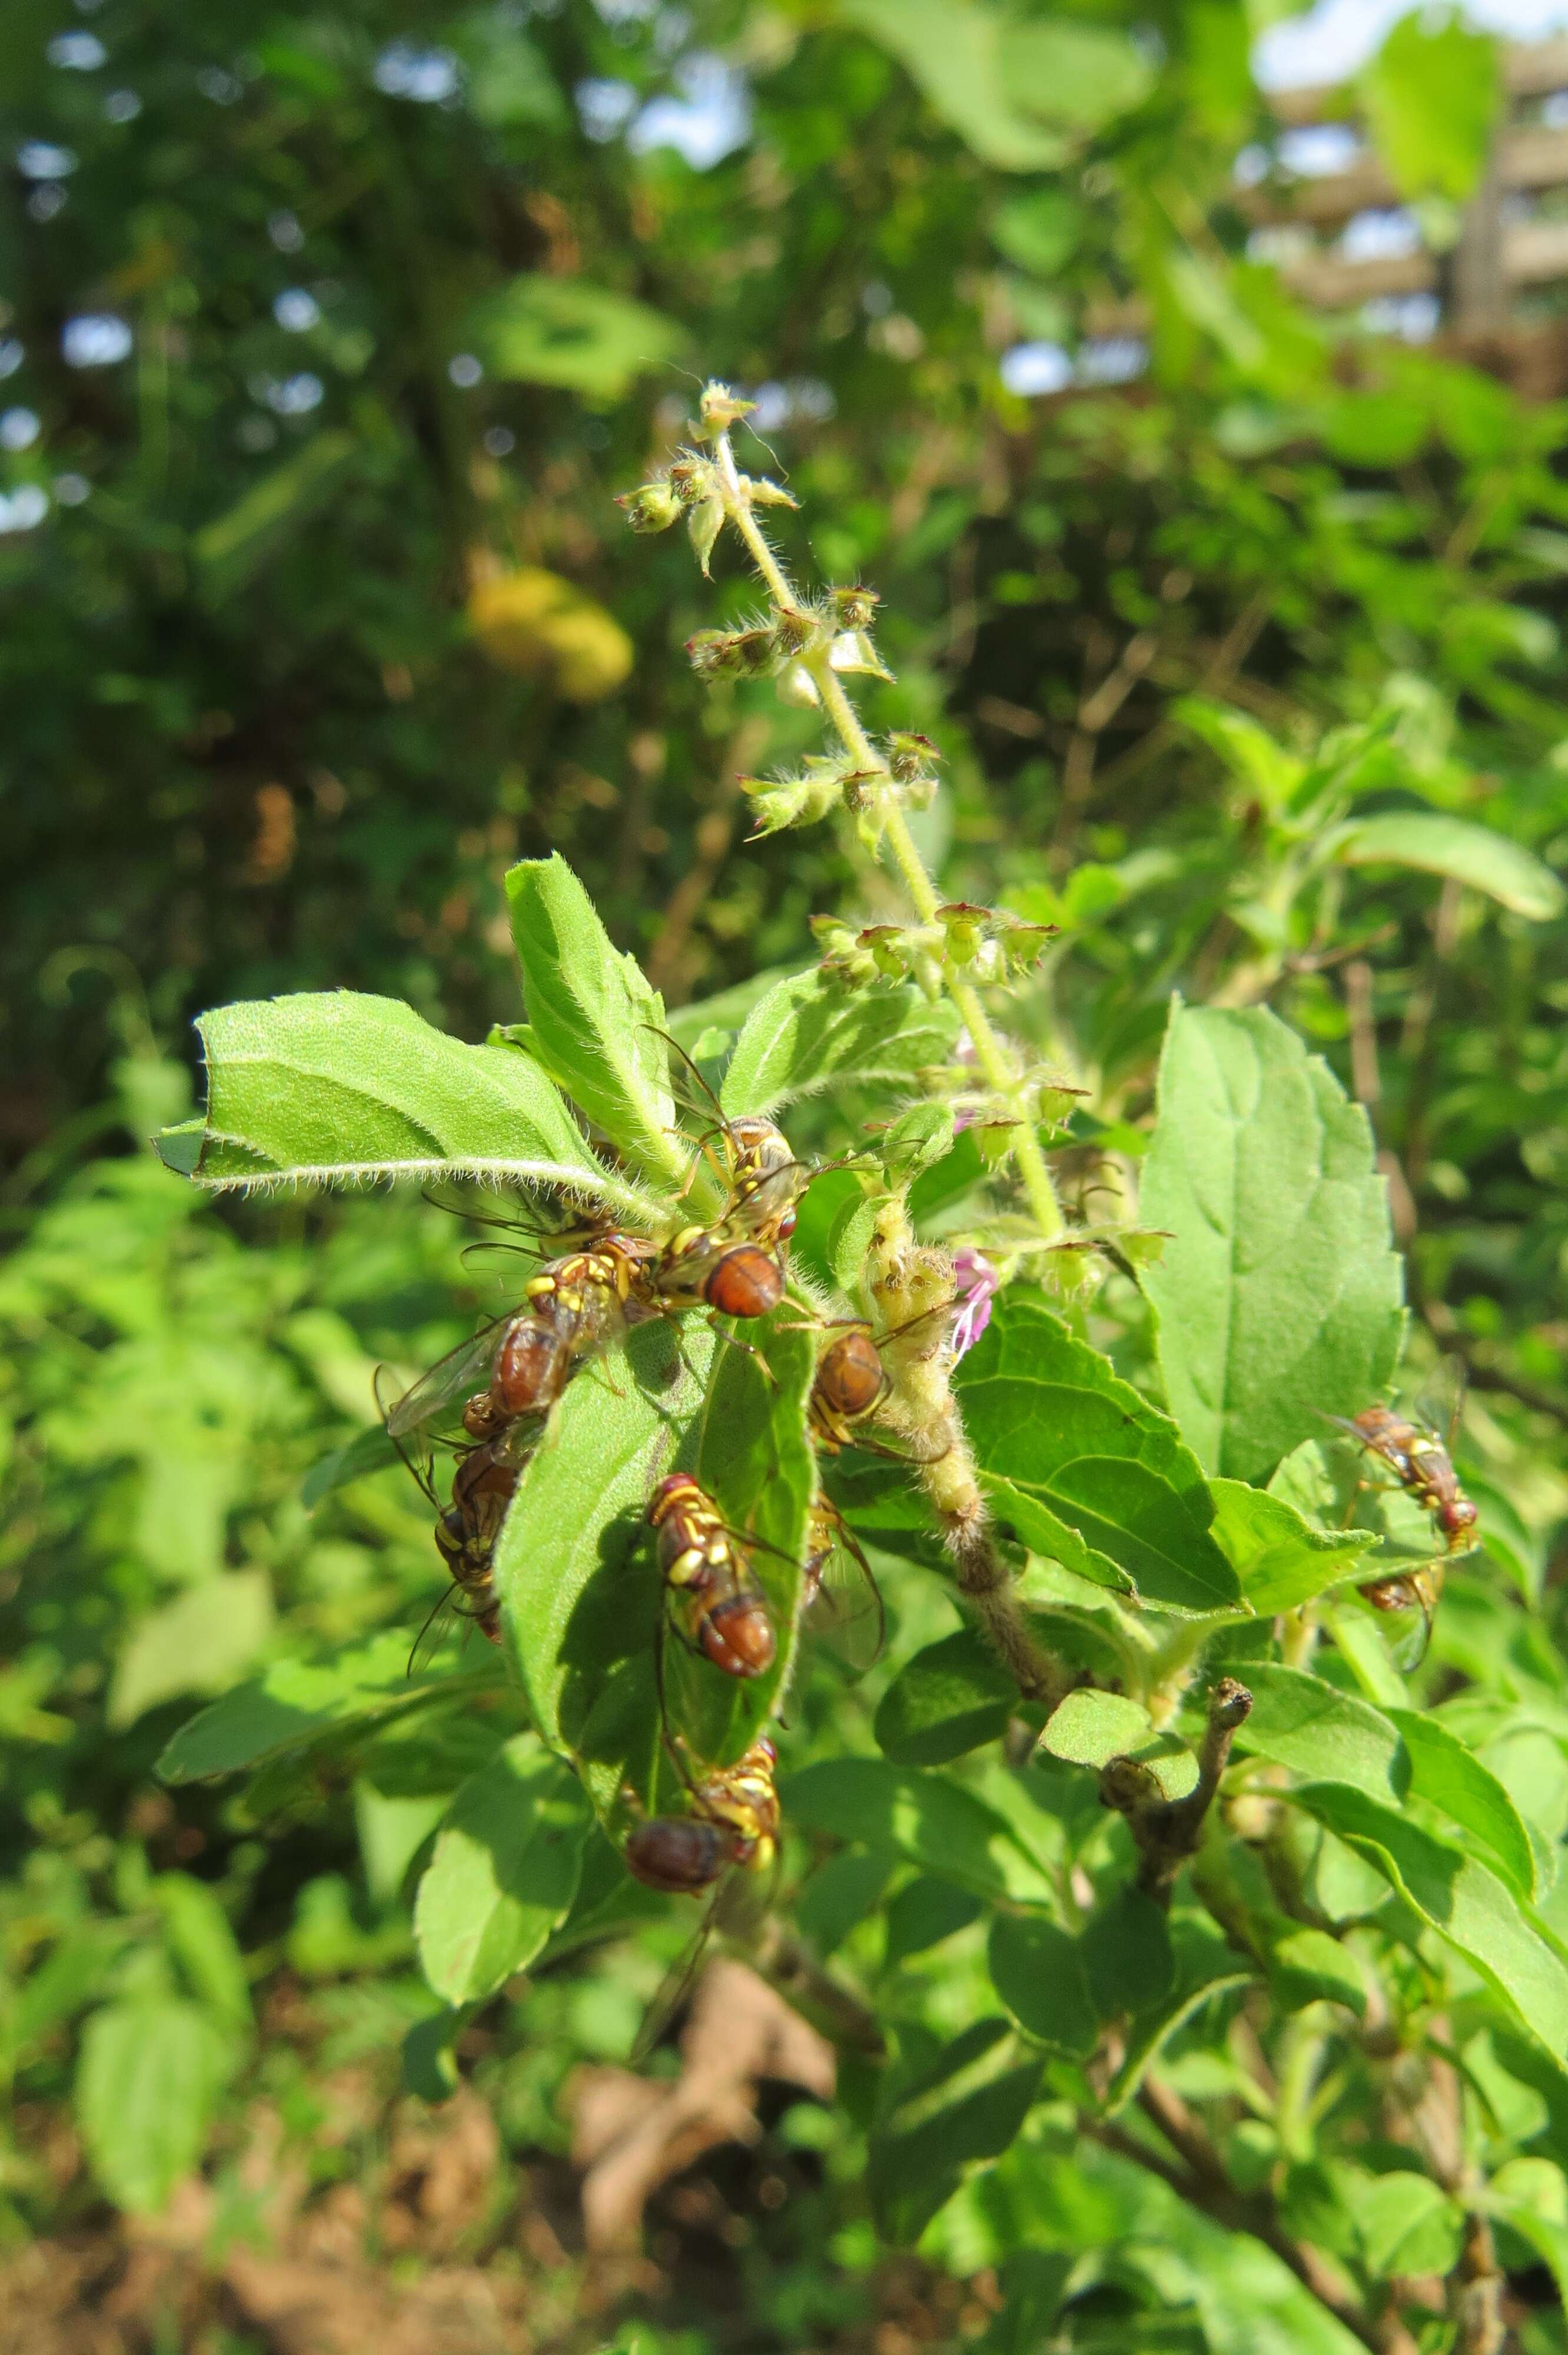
722 1611
519 1364
728 1844
1420 1463
1409 1590
466 1532
760 1171
706 1266
851 1381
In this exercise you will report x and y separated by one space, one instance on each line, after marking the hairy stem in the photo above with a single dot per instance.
1168 1831
990 1052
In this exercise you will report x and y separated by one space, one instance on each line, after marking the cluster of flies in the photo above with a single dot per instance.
514 1369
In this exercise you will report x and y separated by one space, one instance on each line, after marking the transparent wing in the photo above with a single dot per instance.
466 1368
419 1460
844 1609
681 1975
441 1625
1441 1399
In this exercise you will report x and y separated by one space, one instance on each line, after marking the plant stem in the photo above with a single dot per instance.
990 1052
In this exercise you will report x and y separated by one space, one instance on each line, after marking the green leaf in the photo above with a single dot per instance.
577 1567
1433 95
1073 76
1083 1467
336 1088
503 1873
296 1700
1530 2196
1279 1558
950 1699
1299 1721
943 2113
1308 1967
1089 1727
925 1913
953 51
202 1940
198 1643
1439 845
1129 1963
509 82
1278 1298
368 1452
544 330
1461 1900
594 1019
1449 1776
430 2056
844 1891
146 2085
1202 1966
809 1033
1038 1971
926 1818
1408 2224
1247 749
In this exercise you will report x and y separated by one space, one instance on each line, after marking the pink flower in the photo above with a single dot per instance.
978 1283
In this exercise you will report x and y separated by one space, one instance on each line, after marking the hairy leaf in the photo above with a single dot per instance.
336 1088
1090 1727
1083 1467
1278 1298
809 1033
503 1873
594 1019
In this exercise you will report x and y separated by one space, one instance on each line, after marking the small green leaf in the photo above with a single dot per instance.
1129 1964
924 1913
503 1873
943 2111
196 1643
1447 1775
295 1701
1278 1296
1202 1966
809 1033
1439 845
1302 1723
1089 1727
1308 1967
202 1940
1247 749
927 1818
1408 2224
540 329
952 49
1531 2196
429 2058
146 2085
1083 1467
335 1087
1280 1558
1431 95
950 1699
1461 1900
1038 1971
594 1019
845 1889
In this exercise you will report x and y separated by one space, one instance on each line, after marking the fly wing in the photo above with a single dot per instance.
440 1624
1441 1400
846 1611
680 1977
466 1368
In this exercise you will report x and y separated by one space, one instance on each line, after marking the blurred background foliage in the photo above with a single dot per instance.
326 338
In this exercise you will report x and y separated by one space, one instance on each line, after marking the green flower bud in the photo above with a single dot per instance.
652 508
719 409
911 758
853 609
761 493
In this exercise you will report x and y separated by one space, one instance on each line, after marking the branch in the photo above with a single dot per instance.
1168 1831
